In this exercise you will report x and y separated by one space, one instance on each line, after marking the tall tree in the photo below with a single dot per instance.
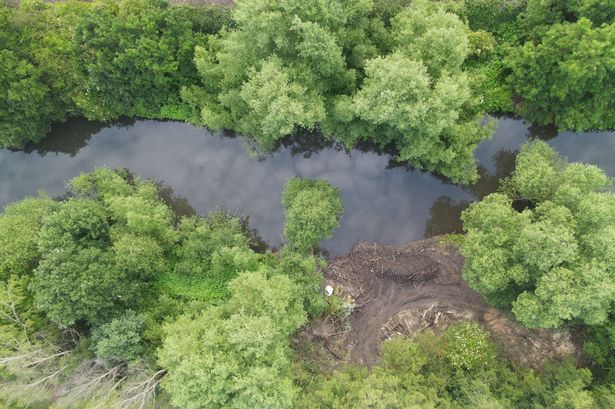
568 77
135 56
307 64
236 355
554 262
313 210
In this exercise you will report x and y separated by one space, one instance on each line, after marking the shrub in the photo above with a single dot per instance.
469 347
236 355
490 15
551 263
120 339
566 79
313 210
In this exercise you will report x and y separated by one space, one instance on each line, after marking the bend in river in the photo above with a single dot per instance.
383 202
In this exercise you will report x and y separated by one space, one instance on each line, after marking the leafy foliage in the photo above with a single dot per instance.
110 263
135 56
101 59
20 225
119 340
552 262
419 373
491 15
313 210
102 249
599 347
573 93
291 65
32 93
104 270
211 252
235 355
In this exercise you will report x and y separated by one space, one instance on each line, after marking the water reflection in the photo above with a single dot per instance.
488 182
71 136
444 216
384 202
305 143
180 205
546 133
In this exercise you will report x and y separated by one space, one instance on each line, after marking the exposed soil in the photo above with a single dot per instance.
401 290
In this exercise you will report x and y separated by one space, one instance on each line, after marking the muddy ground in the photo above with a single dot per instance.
401 290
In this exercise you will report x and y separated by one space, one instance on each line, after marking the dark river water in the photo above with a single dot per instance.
383 202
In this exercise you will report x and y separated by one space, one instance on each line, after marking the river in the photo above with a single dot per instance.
384 202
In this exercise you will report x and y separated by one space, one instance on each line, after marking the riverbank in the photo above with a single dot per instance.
391 291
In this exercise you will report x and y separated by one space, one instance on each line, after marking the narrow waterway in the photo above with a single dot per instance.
383 202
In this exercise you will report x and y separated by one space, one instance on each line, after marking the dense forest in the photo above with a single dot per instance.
416 78
109 298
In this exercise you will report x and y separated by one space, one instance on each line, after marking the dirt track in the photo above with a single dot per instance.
401 290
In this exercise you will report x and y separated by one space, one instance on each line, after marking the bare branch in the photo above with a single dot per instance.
143 393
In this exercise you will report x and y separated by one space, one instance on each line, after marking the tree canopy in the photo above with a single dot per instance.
99 280
135 56
567 78
313 210
101 248
552 263
293 65
108 298
236 355
100 59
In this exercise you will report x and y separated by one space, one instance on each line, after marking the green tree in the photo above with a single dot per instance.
135 56
599 347
541 14
276 105
492 15
552 262
406 108
290 56
120 339
304 64
102 250
357 388
26 110
74 284
418 99
306 272
39 75
313 210
20 225
235 355
566 78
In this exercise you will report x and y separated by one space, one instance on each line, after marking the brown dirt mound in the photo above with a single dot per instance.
401 290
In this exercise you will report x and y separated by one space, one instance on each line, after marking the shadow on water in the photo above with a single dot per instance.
180 205
71 136
181 208
445 212
306 143
545 133
489 182
200 172
444 216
